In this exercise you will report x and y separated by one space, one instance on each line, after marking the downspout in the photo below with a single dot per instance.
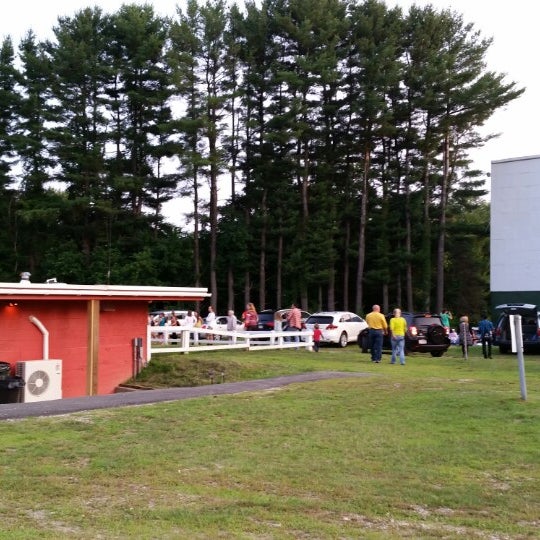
45 333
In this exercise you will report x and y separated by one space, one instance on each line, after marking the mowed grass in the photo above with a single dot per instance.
439 448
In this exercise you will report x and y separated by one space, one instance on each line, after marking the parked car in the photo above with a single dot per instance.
530 326
221 323
340 327
425 333
266 320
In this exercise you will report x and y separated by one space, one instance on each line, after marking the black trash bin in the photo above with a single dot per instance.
5 369
10 387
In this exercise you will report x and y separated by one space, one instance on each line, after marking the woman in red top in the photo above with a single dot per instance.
250 317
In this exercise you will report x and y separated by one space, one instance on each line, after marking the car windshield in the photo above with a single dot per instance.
425 321
320 319
524 312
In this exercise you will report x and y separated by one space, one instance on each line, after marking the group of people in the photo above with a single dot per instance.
250 320
379 327
192 319
465 335
397 327
293 321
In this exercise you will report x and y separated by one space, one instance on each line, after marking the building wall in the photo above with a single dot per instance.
515 239
67 324
116 332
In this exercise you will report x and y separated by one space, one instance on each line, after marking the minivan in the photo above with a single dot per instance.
530 326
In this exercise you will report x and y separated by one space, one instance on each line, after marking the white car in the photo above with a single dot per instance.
221 323
339 327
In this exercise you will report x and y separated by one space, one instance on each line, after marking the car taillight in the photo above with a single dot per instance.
270 324
498 332
331 327
538 332
413 330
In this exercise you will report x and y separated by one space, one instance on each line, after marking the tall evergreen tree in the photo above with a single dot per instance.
9 101
213 57
184 57
453 96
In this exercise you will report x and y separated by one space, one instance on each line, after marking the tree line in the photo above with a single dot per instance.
341 129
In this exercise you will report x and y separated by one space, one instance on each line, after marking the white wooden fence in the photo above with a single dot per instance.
203 339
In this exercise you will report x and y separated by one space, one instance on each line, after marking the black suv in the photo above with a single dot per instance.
266 320
425 333
530 326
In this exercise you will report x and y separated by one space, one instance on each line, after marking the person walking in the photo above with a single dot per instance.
465 336
378 327
485 329
398 327
317 335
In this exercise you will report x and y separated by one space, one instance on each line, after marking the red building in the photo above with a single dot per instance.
90 328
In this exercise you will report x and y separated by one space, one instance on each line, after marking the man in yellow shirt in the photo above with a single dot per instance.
398 327
378 327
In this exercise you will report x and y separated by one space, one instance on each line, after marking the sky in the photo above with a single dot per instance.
512 25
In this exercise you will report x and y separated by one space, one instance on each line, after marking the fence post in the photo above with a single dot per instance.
518 333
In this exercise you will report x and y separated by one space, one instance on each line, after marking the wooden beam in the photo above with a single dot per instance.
92 357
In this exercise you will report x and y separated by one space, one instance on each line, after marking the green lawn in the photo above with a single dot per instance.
439 448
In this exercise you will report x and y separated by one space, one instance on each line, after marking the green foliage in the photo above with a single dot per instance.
342 128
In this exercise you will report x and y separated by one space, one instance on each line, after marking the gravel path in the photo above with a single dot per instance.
142 397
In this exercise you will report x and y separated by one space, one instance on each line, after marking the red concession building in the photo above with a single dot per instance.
92 329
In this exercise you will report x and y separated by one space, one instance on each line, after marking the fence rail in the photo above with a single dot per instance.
173 339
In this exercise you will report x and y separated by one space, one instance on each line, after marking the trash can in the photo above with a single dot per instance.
5 369
10 387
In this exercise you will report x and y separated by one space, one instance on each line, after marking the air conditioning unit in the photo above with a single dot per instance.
43 379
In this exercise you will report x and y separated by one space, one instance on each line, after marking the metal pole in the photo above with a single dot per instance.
521 363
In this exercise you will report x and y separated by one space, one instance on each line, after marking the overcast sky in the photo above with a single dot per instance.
512 25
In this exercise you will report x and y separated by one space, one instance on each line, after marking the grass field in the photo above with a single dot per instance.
439 448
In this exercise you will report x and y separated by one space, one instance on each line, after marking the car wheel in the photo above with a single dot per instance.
436 334
504 349
363 341
437 354
343 340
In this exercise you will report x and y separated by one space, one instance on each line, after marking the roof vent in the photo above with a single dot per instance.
25 277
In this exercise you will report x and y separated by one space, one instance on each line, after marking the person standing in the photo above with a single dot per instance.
232 321
190 321
398 327
465 336
250 317
294 321
446 317
485 328
378 327
232 324
210 322
278 321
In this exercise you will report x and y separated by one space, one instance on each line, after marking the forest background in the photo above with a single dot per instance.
341 128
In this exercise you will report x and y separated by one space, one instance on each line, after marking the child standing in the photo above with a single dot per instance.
317 335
